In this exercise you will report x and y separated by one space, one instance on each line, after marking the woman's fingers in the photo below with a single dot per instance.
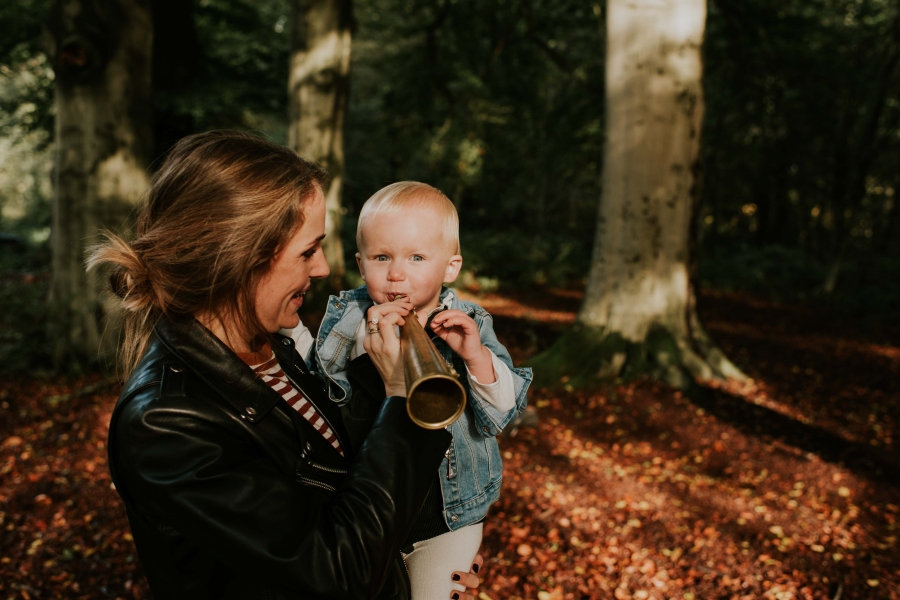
397 306
477 563
383 346
469 580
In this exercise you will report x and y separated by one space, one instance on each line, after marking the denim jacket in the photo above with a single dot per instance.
472 471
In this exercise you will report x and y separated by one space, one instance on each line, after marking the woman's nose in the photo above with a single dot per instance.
319 268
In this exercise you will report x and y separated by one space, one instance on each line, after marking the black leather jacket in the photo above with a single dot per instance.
231 494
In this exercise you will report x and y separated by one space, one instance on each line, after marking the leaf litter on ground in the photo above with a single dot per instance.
785 487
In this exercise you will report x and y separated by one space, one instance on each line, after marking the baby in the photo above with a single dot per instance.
408 242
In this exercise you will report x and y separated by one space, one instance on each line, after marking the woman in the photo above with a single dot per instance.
235 470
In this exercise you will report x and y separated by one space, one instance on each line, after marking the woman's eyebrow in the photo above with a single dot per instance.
316 241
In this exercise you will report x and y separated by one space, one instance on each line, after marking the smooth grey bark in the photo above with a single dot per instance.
639 296
101 54
318 88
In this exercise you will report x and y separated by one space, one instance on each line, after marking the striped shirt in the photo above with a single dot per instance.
271 373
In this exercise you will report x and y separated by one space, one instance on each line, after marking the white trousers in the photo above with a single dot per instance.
432 562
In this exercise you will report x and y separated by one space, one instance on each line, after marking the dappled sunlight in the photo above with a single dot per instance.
597 502
523 306
630 490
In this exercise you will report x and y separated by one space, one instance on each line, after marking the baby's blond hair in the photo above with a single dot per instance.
411 194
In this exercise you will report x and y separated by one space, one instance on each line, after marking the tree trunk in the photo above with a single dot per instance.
638 314
318 88
101 54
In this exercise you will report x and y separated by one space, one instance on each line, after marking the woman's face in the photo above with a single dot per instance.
280 291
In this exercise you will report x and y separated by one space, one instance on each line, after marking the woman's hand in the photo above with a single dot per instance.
383 345
469 580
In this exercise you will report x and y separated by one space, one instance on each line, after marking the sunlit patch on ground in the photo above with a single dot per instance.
634 492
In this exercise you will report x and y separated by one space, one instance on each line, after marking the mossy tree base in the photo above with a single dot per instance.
585 356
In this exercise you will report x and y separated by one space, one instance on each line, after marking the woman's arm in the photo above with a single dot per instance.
194 468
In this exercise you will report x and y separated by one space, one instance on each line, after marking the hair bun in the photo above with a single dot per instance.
120 281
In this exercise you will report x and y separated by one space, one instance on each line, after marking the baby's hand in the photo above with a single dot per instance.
460 332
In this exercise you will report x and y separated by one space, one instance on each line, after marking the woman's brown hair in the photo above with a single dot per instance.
219 208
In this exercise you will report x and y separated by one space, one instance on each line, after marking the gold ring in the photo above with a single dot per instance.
373 330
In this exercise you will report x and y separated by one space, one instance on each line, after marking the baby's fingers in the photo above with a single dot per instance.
460 320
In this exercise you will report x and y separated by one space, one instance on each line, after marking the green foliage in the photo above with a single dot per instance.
23 289
26 109
866 285
497 103
515 258
775 271
870 286
500 104
803 115
238 78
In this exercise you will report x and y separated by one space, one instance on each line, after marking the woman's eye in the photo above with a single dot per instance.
310 253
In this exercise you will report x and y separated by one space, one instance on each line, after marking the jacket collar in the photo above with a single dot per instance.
219 367
222 370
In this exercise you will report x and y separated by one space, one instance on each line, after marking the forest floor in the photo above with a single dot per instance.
786 487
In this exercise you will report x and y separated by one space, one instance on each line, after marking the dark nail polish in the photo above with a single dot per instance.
455 577
475 568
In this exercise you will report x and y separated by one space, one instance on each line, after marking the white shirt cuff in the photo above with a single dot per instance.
502 393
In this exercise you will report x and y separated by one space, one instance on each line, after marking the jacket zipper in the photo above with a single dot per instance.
318 484
326 468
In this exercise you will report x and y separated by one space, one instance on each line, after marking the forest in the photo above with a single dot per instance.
682 214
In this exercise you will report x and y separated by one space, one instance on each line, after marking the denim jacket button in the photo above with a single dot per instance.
454 518
486 429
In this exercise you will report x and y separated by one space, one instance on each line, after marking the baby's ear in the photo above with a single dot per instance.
453 267
359 264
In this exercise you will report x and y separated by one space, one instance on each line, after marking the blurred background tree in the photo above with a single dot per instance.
100 52
318 87
500 103
639 312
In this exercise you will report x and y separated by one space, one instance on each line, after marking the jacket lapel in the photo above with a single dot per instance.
311 387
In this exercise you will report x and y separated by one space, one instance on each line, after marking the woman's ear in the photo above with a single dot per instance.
454 265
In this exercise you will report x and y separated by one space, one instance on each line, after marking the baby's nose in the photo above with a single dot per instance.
396 274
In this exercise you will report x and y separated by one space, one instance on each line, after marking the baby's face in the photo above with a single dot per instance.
406 254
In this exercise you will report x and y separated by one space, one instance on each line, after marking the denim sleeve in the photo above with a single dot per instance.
489 420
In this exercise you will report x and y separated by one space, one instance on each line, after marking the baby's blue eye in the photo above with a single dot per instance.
381 257
418 257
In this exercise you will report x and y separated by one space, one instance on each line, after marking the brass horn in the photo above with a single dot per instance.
434 396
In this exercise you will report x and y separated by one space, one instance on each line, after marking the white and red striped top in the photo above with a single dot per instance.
271 373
